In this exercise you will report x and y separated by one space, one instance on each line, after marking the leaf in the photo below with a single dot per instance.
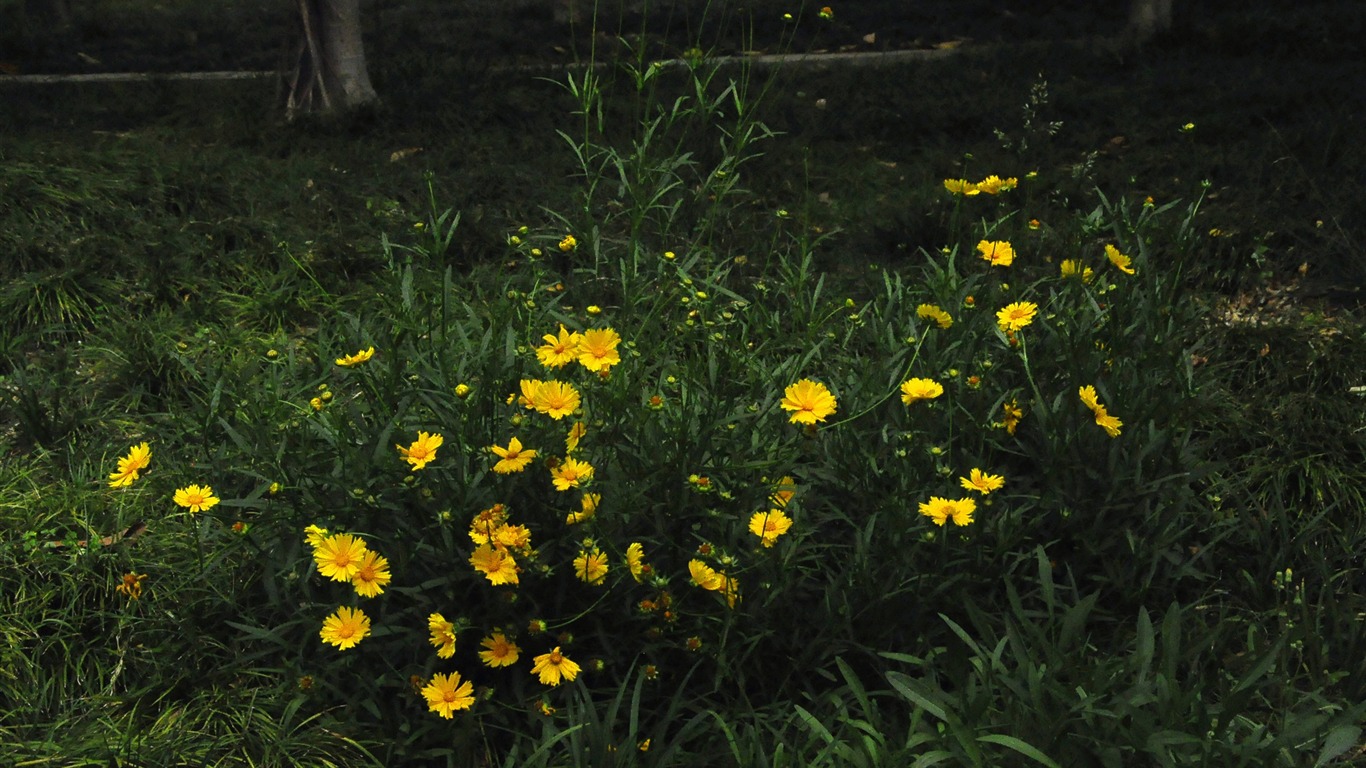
1338 741
1028 750
910 688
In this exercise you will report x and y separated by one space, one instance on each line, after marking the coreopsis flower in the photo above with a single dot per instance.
138 458
1122 263
980 481
447 694
316 403
499 651
554 668
783 492
768 526
556 399
345 628
513 458
442 635
635 560
591 566
514 537
373 574
558 351
1107 422
568 244
994 184
961 187
705 576
497 565
530 389
422 451
1088 396
314 535
339 556
195 498
598 349
351 361
932 312
576 433
941 510
570 473
809 402
462 391
131 586
1074 268
1013 414
1014 317
588 506
999 252
915 390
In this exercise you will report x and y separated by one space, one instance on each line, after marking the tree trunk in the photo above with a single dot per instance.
330 73
1148 19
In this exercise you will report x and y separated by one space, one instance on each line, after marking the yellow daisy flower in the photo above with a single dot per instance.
351 361
591 567
339 556
422 451
1013 415
314 535
783 492
933 312
961 187
555 399
554 668
1014 317
442 635
195 498
139 456
915 390
446 694
598 349
513 458
983 483
588 507
635 560
941 510
576 433
372 576
499 651
768 526
809 402
558 351
497 565
345 628
998 252
131 586
1122 263
570 473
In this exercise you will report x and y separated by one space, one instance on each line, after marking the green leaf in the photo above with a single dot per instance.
1028 750
1338 741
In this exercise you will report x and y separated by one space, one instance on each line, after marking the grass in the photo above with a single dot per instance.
185 270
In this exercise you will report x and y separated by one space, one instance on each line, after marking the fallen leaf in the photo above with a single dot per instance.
404 154
870 38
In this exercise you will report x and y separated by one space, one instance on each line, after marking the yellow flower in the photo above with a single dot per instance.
705 576
783 492
1088 396
372 576
576 433
569 243
588 508
1107 422
961 187
768 526
195 498
530 393
314 535
554 668
979 481
462 391
486 522
139 456
942 510
1013 414
339 556
345 628
131 586
446 694
497 565
998 252
1122 263
570 473
443 635
499 651
513 458
635 560
422 451
915 390
932 312
555 399
994 184
351 361
598 349
558 351
809 402
1074 268
1014 317
517 537
316 403
591 567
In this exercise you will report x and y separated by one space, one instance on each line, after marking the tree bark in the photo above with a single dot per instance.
330 73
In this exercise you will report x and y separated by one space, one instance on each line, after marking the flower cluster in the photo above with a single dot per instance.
991 185
594 349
